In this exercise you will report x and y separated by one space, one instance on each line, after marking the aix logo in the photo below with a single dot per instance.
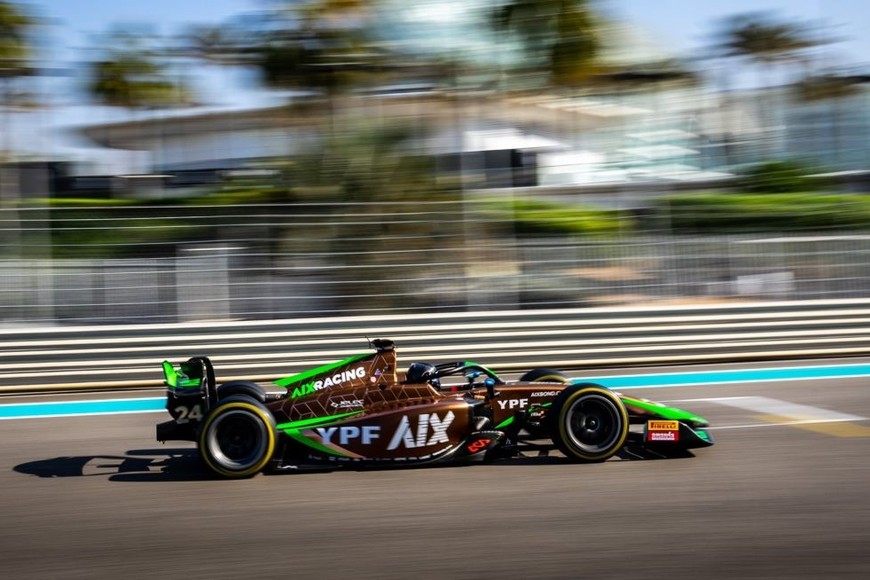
430 429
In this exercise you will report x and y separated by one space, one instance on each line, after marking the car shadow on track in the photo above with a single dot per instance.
628 453
185 464
143 465
528 459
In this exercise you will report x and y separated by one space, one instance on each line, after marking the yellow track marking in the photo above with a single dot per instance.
833 428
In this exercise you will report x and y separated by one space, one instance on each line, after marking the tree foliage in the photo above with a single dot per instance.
542 217
16 26
715 213
558 37
315 45
762 38
778 176
132 74
15 49
828 87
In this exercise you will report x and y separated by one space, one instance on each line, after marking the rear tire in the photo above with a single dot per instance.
588 423
237 439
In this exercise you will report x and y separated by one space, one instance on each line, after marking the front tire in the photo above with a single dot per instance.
545 375
588 423
237 439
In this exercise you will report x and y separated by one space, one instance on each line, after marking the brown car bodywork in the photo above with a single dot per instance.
362 409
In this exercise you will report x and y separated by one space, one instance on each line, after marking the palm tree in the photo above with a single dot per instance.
558 38
763 40
15 63
15 57
131 75
317 46
834 89
15 50
317 49
208 43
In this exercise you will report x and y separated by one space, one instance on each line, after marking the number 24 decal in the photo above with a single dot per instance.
185 414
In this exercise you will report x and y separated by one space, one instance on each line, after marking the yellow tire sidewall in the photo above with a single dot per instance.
551 379
609 395
270 442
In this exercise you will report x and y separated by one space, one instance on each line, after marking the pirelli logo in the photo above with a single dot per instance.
663 425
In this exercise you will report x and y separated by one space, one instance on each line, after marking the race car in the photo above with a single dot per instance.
363 411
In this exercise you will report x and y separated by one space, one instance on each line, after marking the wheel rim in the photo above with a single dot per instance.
237 439
594 424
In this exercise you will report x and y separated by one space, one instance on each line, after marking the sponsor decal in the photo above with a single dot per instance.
478 445
184 414
430 430
514 404
336 379
346 404
663 436
349 433
545 393
663 425
663 430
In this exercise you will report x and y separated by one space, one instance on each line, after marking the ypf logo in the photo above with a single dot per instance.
349 433
514 404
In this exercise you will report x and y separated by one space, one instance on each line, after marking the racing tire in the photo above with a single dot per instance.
237 439
545 375
243 388
588 423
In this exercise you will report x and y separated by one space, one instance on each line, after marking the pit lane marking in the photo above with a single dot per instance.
784 413
834 428
46 409
733 376
617 382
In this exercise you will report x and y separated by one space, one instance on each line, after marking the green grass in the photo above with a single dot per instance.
531 216
769 212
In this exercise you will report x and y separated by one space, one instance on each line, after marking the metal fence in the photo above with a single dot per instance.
40 358
175 263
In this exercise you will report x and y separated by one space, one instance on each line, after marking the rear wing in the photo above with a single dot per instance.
191 392
178 378
194 373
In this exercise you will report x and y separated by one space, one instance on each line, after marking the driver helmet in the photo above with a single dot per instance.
423 372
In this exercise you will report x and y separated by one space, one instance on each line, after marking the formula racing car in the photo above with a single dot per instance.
363 411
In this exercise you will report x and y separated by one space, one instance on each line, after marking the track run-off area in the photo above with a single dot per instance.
784 493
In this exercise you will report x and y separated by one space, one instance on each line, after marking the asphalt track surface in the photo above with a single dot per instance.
785 493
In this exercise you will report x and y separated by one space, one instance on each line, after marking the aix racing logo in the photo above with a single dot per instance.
336 379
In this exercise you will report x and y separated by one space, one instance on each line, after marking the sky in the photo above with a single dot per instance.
684 24
683 27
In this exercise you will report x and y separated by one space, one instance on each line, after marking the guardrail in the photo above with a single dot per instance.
67 358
